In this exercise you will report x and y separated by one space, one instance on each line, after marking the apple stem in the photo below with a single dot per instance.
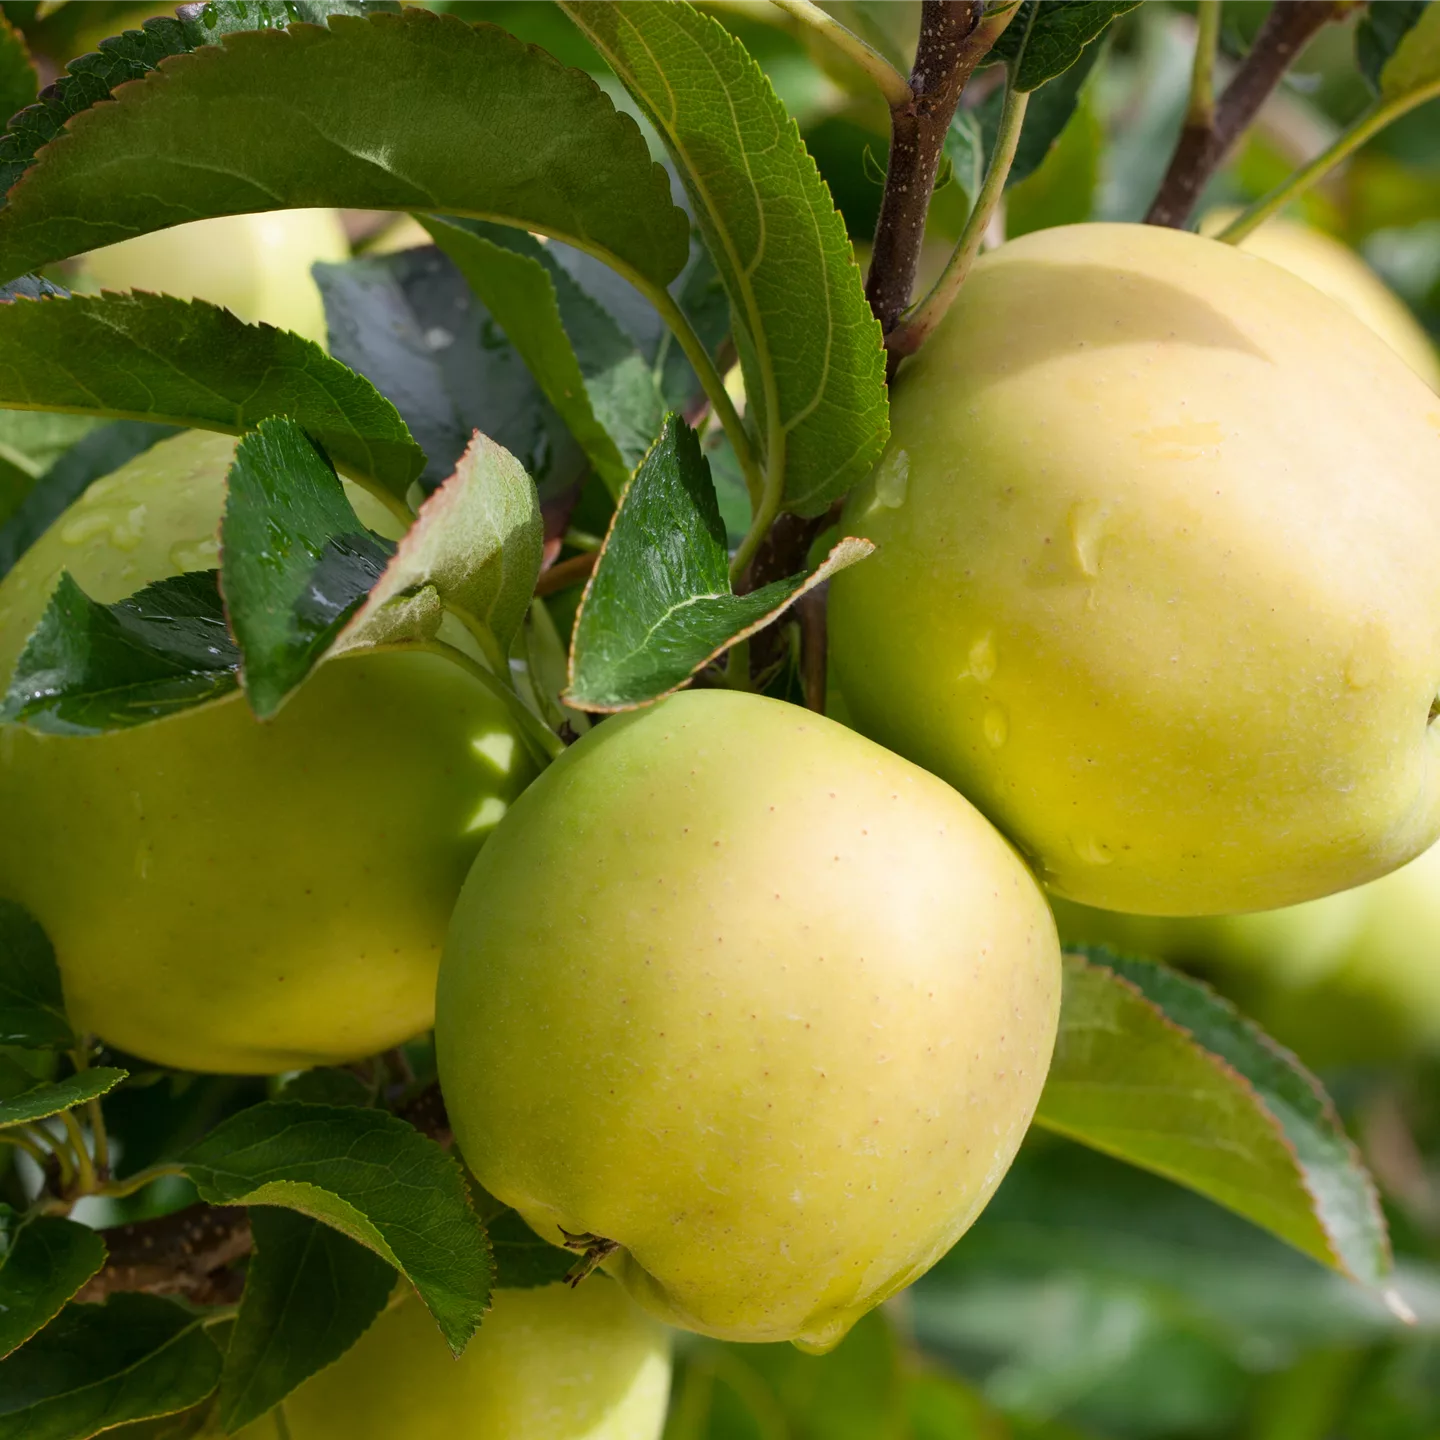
594 1250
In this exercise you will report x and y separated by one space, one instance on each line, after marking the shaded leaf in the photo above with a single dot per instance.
32 1005
329 117
326 1085
591 371
965 149
44 1260
53 1097
97 1366
659 605
523 1261
1047 117
1415 63
18 81
89 668
29 443
1380 30
370 1176
295 561
809 346
1062 190
1156 1069
1047 37
941 1406
310 1293
187 362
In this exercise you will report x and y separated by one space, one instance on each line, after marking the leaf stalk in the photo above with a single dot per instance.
891 83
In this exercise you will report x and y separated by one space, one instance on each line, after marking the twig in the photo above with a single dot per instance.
891 82
811 608
573 571
915 327
189 1253
954 37
1203 143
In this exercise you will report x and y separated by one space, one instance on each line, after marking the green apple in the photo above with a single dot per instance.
229 895
255 265
761 1004
1156 584
547 1364
1333 267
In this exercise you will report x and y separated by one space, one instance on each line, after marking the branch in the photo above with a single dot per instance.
955 36
1205 142
190 1253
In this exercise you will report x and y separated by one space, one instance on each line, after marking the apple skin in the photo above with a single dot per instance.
257 266
223 894
768 1007
1155 584
546 1364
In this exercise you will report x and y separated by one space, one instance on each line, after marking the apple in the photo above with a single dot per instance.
1332 266
1156 584
228 895
768 1008
547 1364
255 265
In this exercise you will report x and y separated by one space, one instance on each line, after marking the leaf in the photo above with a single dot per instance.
97 1366
590 370
310 1293
370 1176
18 81
475 547
89 668
659 606
965 149
1062 190
59 1095
409 323
1156 1069
1047 117
1415 65
295 561
100 451
941 1406
32 1005
1380 31
330 118
809 346
187 362
326 1085
29 444
1047 37
523 1261
44 1260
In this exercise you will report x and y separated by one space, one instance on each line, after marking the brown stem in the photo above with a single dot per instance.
811 608
946 56
1202 147
574 571
190 1253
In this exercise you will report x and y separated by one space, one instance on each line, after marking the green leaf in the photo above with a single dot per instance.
89 668
1156 1069
187 362
326 1085
32 1005
475 547
1048 117
808 344
965 150
1047 37
44 1260
29 444
1379 33
18 81
310 1293
659 606
1062 190
416 111
370 1176
941 1406
296 563
523 1260
59 1095
97 1366
1416 61
591 371
410 324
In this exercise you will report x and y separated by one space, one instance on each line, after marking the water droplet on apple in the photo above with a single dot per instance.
996 727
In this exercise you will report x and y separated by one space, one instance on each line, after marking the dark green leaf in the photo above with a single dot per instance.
89 668
330 117
1156 1069
51 1099
296 563
310 1293
184 362
30 443
1380 31
1062 190
809 346
1046 117
18 81
97 1366
523 1260
372 1177
965 149
591 371
1047 37
410 324
98 452
43 1262
659 605
1415 64
32 1005
327 1085
941 1406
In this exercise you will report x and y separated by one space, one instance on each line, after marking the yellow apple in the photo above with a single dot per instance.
547 1364
763 1005
229 895
1156 583
1332 266
256 265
